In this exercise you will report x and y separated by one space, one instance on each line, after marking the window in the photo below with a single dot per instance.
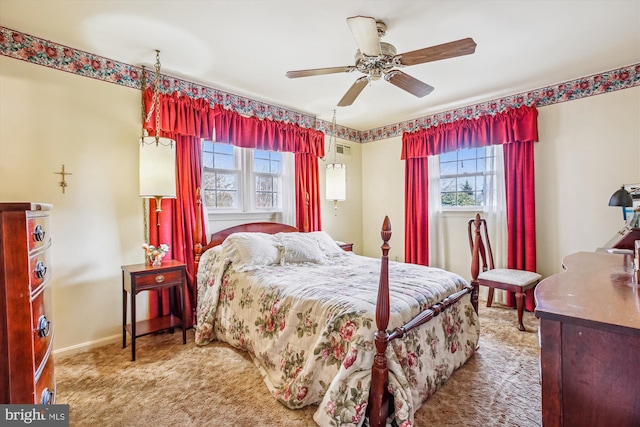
241 179
267 171
465 176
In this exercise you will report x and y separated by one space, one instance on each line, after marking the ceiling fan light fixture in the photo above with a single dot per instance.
375 59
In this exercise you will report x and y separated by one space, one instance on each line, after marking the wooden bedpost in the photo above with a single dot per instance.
475 262
378 408
197 252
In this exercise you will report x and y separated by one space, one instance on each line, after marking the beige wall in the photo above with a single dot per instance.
49 118
344 223
587 149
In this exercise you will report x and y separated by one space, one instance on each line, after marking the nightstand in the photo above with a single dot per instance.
143 277
347 247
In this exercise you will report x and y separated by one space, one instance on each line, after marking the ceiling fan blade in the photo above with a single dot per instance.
408 83
365 32
319 71
436 53
353 92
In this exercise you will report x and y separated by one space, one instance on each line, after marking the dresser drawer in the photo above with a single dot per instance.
41 326
169 278
45 386
39 268
37 230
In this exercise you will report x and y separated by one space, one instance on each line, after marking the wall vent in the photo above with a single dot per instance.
343 149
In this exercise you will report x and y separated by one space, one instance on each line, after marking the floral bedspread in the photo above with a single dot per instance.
309 329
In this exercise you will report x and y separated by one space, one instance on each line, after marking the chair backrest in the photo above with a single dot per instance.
480 246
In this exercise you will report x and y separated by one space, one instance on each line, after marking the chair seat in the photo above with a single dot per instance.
512 277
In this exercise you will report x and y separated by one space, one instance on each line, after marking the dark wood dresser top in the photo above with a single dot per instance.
595 288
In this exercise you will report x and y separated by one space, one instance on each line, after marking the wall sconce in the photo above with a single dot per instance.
621 198
336 173
157 154
336 183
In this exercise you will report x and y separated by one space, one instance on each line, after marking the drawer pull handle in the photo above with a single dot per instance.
40 270
43 326
38 233
159 278
47 397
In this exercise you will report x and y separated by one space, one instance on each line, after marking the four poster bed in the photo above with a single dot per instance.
314 321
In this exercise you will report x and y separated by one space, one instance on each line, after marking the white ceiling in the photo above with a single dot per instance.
245 47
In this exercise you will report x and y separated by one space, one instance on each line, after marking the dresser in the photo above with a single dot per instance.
26 328
590 342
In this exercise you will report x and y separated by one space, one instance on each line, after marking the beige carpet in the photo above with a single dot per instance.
171 384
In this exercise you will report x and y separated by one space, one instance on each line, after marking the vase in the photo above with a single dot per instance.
155 259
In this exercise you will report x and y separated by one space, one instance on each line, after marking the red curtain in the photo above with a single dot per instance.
307 144
416 251
521 212
517 129
307 193
184 120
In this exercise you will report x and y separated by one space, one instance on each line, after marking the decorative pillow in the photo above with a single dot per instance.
327 244
249 251
299 248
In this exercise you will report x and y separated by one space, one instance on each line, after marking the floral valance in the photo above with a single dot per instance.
182 115
512 125
266 134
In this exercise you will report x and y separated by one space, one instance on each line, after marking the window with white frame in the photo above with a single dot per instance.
241 179
466 177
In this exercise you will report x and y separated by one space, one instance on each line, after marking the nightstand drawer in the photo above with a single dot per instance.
169 278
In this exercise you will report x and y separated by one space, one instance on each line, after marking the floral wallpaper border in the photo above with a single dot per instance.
25 47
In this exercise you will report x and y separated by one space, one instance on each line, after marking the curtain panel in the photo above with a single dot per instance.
186 121
516 129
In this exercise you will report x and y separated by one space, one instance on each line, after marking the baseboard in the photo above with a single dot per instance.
86 346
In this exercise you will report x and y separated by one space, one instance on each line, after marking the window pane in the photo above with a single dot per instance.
463 177
264 183
448 168
448 184
261 166
223 161
223 148
467 154
449 157
264 200
267 161
220 189
276 166
207 159
467 166
226 199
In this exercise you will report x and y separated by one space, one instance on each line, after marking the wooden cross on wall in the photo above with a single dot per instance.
63 183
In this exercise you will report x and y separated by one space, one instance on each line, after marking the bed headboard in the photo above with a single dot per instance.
219 236
255 227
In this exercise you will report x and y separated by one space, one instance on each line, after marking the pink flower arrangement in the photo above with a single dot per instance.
154 255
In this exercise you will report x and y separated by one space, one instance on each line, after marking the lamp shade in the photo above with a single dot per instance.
621 198
336 182
157 168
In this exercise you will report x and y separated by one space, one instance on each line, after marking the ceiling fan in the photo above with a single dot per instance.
377 59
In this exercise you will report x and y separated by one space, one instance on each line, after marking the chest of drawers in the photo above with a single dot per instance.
26 328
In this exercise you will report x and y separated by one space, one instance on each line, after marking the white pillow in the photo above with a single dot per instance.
299 248
249 251
327 244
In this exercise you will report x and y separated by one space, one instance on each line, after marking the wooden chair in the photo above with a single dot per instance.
518 281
